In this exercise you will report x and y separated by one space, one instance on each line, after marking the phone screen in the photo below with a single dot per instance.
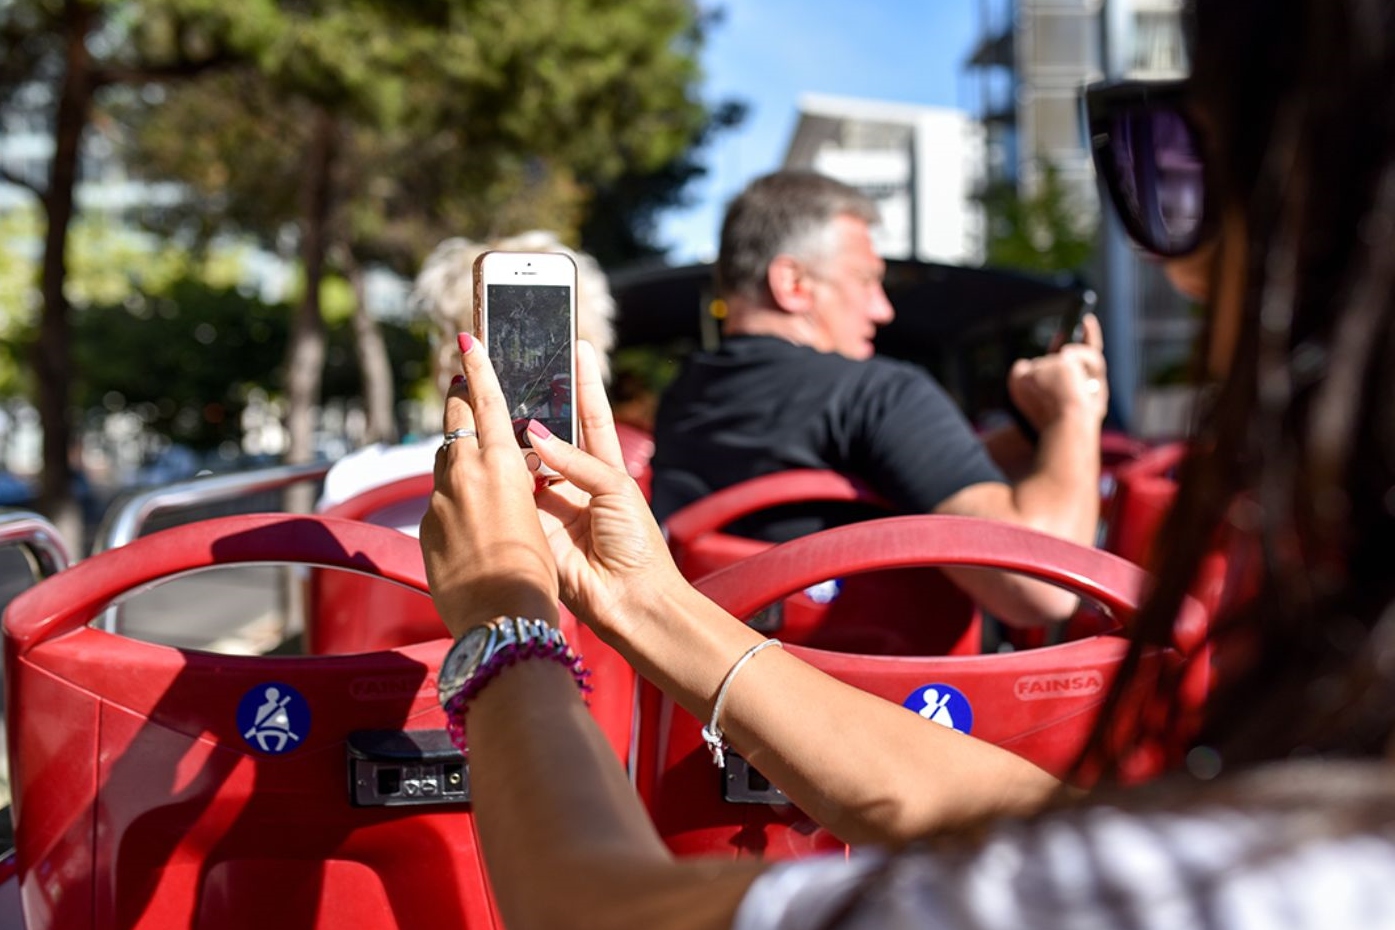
530 343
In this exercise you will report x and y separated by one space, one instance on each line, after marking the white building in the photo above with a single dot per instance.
922 165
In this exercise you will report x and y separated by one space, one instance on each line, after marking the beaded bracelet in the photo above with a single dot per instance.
556 650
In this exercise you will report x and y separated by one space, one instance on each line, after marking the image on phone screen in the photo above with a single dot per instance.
530 343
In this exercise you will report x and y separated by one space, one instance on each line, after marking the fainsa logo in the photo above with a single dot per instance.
387 687
1063 684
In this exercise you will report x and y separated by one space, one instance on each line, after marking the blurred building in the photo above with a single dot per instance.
922 165
1030 62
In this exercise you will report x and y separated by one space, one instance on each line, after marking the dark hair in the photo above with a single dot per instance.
1296 449
785 213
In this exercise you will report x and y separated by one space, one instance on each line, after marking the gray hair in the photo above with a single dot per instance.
785 213
445 291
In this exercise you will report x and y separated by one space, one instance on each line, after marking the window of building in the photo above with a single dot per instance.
1065 40
1157 44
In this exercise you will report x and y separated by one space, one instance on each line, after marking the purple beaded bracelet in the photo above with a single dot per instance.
556 651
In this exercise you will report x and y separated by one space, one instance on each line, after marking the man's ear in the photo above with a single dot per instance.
789 284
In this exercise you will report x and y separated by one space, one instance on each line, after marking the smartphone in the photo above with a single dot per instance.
525 315
1070 329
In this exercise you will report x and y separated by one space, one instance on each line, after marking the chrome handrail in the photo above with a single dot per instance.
39 536
129 519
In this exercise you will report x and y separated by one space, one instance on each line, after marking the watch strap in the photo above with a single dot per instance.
511 640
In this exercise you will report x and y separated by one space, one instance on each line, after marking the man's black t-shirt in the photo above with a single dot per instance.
760 404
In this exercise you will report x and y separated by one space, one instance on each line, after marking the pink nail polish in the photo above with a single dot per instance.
538 430
456 380
466 343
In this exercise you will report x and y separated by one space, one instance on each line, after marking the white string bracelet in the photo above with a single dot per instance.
712 733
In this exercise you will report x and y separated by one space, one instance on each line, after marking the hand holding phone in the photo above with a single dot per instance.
525 315
1071 327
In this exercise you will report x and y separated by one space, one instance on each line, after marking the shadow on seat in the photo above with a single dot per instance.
880 613
1039 703
157 787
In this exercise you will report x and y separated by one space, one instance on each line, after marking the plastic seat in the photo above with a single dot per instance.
338 603
880 613
1039 703
346 613
149 786
1144 490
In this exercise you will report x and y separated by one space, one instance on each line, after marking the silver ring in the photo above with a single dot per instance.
1093 386
455 434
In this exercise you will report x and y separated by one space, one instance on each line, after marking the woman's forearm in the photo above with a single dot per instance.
565 839
822 742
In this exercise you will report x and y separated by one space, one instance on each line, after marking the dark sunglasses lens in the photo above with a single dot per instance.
1159 178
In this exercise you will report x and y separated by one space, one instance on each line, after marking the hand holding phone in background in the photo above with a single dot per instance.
1072 325
525 315
1072 375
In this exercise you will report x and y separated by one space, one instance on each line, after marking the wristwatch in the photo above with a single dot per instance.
484 650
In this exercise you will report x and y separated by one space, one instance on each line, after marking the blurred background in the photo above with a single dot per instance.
210 218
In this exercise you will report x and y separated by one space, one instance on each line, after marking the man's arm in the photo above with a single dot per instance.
1065 395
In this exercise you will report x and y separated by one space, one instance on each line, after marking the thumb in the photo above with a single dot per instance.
585 471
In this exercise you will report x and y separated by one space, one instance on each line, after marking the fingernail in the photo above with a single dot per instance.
539 484
466 343
456 380
538 430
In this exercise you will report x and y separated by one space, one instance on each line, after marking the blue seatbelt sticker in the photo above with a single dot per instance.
273 718
944 704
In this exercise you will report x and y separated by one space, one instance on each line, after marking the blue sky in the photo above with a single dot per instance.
770 52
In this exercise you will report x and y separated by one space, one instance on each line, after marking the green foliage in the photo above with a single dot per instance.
185 357
488 117
182 358
1043 231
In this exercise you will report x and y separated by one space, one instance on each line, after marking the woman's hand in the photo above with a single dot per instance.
611 557
485 551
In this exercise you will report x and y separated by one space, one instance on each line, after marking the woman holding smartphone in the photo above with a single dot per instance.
1267 183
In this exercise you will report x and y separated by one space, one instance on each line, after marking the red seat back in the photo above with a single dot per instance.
1038 703
346 613
1144 490
143 792
881 613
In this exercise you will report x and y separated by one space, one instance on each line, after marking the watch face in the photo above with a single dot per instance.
464 657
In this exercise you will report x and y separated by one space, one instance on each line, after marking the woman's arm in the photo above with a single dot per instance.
867 769
565 839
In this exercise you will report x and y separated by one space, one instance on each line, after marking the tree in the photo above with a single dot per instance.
186 353
1037 230
497 125
621 223
57 57
184 356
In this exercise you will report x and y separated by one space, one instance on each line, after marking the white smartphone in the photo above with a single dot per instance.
525 314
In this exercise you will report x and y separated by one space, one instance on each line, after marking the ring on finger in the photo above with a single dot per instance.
453 435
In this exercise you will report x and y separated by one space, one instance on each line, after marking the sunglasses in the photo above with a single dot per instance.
1148 155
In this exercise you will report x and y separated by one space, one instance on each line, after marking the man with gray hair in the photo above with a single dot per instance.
796 384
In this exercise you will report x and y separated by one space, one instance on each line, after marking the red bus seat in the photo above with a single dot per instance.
1039 703
148 793
871 613
347 613
337 602
1144 489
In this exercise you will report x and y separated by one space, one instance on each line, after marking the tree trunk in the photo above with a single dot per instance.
373 364
306 353
52 356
